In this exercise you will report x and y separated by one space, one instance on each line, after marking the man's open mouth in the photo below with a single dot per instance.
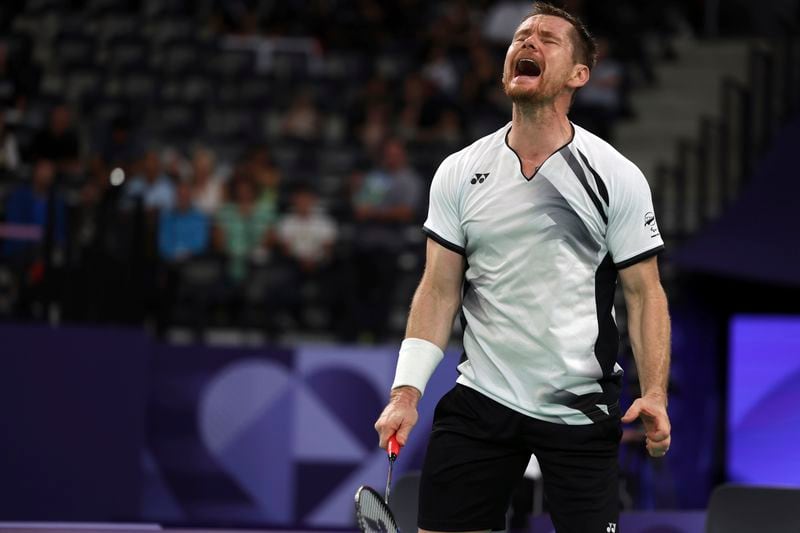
527 67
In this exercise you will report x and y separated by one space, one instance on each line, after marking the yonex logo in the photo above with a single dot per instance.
612 527
479 178
378 526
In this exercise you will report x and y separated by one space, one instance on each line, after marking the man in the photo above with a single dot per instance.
59 142
535 221
152 186
183 231
386 199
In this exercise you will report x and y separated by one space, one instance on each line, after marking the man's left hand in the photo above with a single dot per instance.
653 412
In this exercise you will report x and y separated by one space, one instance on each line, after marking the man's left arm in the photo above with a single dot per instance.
649 330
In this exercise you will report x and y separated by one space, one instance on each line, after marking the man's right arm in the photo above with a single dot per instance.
433 310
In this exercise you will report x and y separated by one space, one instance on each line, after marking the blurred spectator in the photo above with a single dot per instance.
448 129
208 185
9 150
267 179
392 191
481 94
302 121
34 205
375 126
175 164
118 148
59 141
242 229
35 233
152 187
440 71
386 199
502 20
598 104
184 230
306 238
420 108
306 234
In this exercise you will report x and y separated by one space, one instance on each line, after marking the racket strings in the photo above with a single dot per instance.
374 514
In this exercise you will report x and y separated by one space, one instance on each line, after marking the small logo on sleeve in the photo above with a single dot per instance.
479 178
650 223
612 527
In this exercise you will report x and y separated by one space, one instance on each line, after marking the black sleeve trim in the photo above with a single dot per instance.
639 258
444 242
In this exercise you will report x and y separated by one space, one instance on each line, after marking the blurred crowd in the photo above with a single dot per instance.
294 206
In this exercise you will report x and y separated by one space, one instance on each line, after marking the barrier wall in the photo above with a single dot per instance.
108 425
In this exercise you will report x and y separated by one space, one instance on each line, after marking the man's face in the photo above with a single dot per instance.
152 165
539 63
394 156
304 203
44 172
184 196
60 119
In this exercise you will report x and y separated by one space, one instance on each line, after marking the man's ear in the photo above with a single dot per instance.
580 76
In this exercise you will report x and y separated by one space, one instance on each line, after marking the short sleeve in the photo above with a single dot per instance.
633 233
443 224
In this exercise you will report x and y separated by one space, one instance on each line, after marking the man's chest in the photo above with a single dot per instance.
502 211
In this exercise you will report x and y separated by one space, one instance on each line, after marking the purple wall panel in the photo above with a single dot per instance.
763 400
72 406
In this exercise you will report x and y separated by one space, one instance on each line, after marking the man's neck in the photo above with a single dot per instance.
538 130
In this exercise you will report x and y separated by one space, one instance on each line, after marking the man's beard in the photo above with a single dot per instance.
530 96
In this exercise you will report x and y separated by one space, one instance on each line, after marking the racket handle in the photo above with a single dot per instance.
393 448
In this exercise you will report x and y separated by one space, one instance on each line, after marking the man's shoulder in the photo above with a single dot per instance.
477 149
602 157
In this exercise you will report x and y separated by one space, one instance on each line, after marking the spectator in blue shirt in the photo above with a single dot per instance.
27 213
152 186
182 231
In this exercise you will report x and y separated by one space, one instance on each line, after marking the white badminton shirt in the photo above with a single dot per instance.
542 259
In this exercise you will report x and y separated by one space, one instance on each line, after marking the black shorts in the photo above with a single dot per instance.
478 452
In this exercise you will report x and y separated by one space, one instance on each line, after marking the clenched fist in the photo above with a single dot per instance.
653 412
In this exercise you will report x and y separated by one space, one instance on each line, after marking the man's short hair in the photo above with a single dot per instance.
583 45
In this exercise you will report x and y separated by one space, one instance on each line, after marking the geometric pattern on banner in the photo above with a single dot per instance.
245 420
278 436
354 382
351 399
319 434
296 436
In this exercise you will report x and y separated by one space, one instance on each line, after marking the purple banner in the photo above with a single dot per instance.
279 438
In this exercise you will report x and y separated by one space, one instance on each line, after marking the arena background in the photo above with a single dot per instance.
210 233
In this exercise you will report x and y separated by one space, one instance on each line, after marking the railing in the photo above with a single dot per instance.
708 172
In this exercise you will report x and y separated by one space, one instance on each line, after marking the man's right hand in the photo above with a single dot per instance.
399 415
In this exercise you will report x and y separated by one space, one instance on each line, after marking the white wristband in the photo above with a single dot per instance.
417 360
